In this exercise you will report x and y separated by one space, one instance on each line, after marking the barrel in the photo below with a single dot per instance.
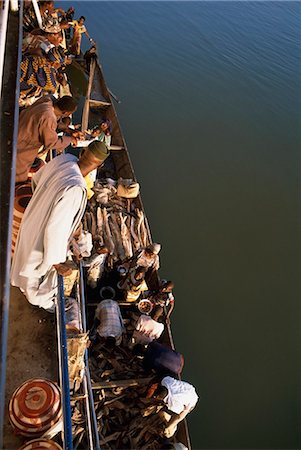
34 407
41 444
23 194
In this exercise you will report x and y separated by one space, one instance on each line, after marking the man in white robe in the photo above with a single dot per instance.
49 221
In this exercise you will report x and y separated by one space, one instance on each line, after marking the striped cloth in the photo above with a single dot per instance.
109 315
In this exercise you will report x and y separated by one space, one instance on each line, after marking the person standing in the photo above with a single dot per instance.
79 29
49 222
37 131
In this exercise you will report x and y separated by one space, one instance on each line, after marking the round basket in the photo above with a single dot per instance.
145 306
35 406
36 165
107 293
41 444
23 194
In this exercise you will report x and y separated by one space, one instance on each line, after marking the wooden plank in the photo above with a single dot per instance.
85 117
116 147
98 103
121 383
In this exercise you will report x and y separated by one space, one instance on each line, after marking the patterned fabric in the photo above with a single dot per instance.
36 71
39 71
30 21
109 315
37 45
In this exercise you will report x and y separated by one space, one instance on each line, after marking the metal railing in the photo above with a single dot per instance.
91 416
10 58
63 365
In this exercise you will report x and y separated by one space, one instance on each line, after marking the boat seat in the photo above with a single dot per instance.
98 103
116 147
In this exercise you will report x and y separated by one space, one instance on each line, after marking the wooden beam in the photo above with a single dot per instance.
98 103
85 117
121 383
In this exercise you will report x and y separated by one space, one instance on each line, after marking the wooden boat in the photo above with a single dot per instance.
32 339
98 106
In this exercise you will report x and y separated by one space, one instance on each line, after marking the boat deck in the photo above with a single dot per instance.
30 354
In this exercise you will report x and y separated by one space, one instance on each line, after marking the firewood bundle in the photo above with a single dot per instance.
115 222
126 418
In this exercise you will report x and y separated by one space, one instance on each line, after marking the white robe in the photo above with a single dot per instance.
180 395
52 215
147 330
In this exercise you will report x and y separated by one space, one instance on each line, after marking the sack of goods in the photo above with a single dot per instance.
127 188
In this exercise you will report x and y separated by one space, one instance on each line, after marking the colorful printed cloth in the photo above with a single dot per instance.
39 71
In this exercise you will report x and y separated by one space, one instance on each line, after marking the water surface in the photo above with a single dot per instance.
211 101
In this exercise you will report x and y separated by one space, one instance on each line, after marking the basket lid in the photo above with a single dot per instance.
35 406
41 444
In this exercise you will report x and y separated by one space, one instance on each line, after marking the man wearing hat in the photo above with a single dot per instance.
49 222
147 257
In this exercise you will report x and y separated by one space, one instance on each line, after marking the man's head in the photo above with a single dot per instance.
65 106
46 5
106 126
161 393
167 286
140 273
55 38
92 157
81 20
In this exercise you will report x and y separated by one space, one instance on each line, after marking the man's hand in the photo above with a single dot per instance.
63 269
79 134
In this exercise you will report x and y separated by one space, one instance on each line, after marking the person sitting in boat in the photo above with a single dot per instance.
43 61
65 125
147 330
133 284
79 29
144 257
43 42
51 218
68 17
110 321
162 359
180 398
161 299
96 264
103 132
37 131
89 56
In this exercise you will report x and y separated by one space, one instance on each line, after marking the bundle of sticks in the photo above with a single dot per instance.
115 222
126 417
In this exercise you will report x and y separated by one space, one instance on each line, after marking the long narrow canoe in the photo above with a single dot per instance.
99 105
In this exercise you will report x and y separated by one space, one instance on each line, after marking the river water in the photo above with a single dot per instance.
211 108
